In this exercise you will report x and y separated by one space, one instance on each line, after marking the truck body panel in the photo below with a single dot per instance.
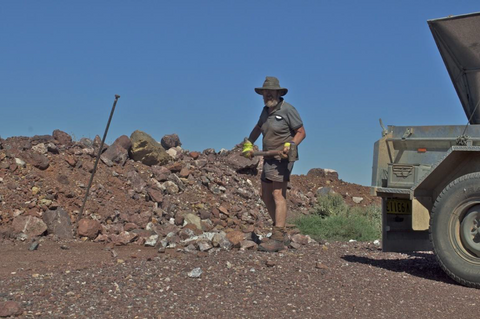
415 163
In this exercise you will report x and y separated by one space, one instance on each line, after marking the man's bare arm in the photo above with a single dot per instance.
255 134
300 135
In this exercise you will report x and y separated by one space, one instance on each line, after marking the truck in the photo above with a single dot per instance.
428 177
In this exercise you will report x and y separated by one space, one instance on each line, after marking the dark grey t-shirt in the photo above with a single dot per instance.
279 126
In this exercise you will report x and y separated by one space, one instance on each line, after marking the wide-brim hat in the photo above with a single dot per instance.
271 83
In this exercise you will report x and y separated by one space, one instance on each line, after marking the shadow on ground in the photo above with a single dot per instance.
423 265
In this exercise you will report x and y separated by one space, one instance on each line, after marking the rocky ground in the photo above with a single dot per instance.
172 233
69 279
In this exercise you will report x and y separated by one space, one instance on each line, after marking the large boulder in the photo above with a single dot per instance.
146 150
58 223
37 160
29 225
117 152
62 137
88 228
169 141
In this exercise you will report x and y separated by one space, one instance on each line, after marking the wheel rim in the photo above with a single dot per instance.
470 230
461 225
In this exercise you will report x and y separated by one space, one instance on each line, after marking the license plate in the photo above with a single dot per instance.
399 206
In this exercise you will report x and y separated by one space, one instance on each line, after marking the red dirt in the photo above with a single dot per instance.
329 280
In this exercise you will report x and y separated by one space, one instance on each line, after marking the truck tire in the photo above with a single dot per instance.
455 229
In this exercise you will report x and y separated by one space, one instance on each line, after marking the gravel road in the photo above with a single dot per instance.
328 280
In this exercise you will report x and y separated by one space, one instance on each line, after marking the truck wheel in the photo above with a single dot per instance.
455 229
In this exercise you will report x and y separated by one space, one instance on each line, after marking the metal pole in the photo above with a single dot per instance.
98 157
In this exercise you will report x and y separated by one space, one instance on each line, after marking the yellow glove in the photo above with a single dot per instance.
247 149
286 150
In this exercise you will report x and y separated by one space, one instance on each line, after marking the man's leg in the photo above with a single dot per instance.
274 194
279 194
268 199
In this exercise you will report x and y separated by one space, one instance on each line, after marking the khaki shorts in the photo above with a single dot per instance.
276 170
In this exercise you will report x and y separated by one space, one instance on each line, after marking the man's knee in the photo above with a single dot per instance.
278 195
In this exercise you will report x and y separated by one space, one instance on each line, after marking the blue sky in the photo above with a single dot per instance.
190 67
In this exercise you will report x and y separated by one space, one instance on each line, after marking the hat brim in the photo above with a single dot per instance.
283 91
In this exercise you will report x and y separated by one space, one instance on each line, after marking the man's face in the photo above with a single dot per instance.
271 97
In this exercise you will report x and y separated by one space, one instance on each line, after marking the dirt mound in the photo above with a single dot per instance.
164 198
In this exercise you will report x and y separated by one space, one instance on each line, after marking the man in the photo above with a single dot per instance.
282 128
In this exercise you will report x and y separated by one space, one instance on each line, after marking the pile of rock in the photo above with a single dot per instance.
145 192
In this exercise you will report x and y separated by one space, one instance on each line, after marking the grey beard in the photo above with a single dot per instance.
271 103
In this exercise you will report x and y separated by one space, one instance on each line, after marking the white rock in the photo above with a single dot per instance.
163 243
89 151
357 200
17 212
204 245
310 239
172 152
190 248
151 241
207 235
190 241
170 187
193 219
195 273
20 162
40 148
